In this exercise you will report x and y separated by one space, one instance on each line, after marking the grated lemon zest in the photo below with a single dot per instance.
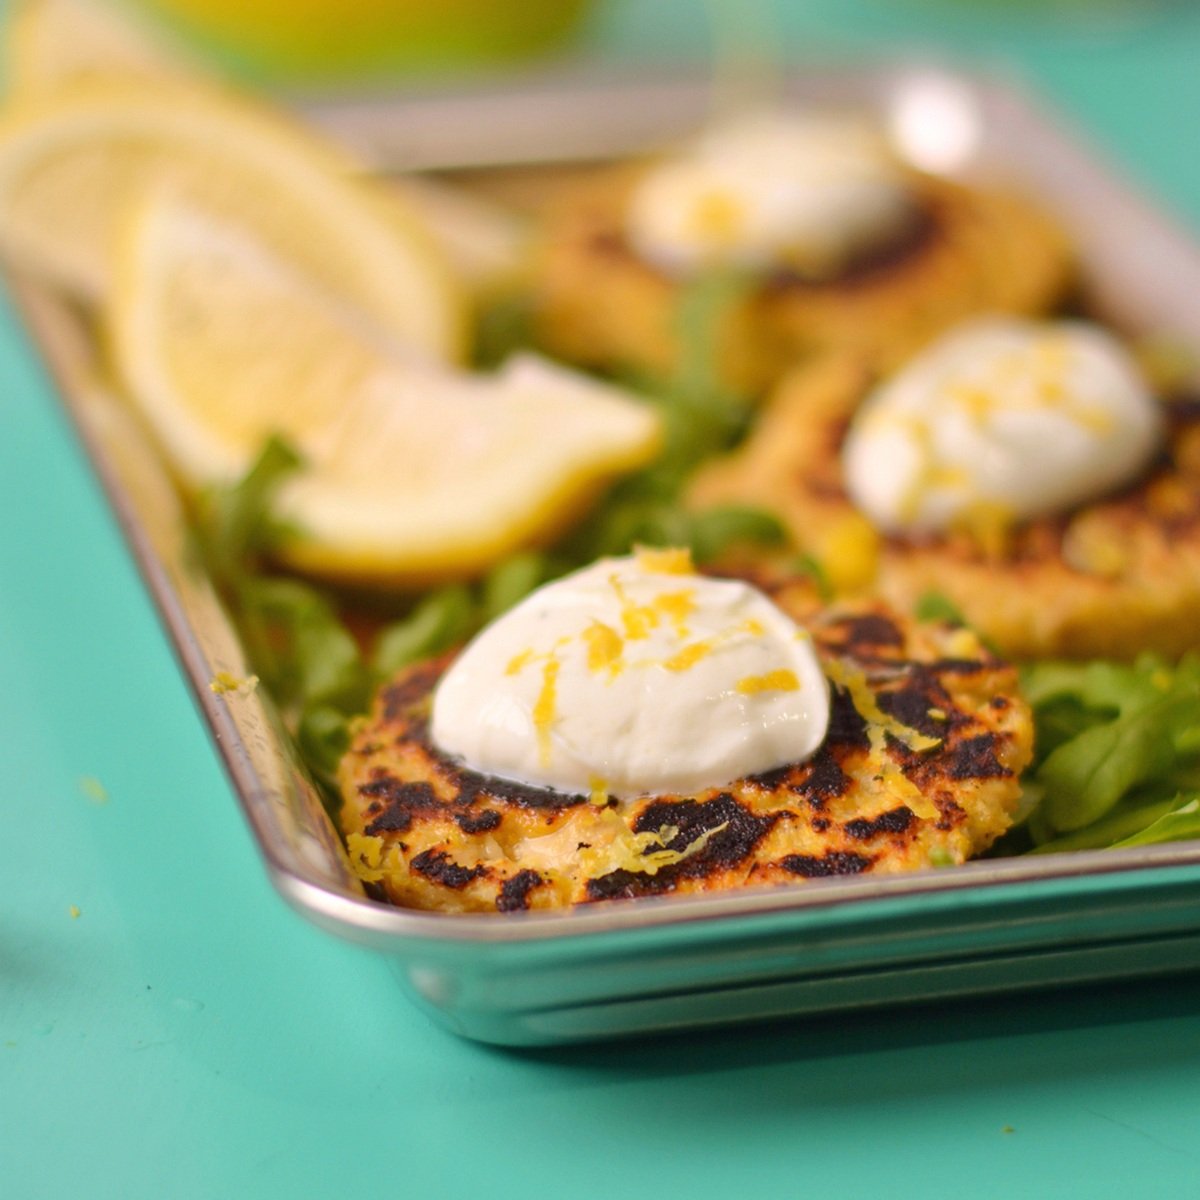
224 682
863 698
605 647
782 680
672 560
545 710
598 791
366 853
519 662
689 656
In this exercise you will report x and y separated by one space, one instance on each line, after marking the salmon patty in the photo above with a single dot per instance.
927 737
966 251
1112 578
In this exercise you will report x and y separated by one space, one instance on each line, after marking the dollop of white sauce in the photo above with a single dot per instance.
1001 416
771 190
627 680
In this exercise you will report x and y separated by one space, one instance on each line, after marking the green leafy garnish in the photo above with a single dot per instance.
1118 752
714 531
513 580
702 417
235 524
441 620
1180 822
937 606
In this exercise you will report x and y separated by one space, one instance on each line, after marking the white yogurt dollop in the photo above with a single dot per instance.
771 189
1007 416
627 679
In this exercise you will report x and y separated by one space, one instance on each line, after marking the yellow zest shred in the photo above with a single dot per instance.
75 911
849 553
366 852
855 683
598 791
677 607
894 781
519 662
93 789
650 861
673 560
717 218
978 403
989 525
689 656
605 647
879 725
223 682
546 708
782 680
962 643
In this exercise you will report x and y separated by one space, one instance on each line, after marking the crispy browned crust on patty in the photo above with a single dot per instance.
426 832
968 251
1110 579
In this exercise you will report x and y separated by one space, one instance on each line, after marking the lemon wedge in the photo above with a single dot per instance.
53 42
415 471
73 163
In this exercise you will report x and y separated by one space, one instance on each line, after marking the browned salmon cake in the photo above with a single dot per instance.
927 737
967 251
1109 579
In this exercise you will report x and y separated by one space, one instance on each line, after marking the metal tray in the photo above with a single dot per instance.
678 962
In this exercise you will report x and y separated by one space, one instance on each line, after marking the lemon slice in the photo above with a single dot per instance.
53 42
416 471
72 165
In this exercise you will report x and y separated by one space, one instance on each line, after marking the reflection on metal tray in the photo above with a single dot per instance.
657 964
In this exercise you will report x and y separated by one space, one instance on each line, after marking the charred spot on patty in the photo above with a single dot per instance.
391 820
833 862
734 830
400 800
868 630
411 688
824 780
847 726
474 786
925 224
895 820
478 822
514 892
975 758
623 884
437 866
919 702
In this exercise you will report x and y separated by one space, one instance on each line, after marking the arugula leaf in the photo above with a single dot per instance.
299 645
1125 821
1180 823
235 525
323 736
511 581
1117 744
713 531
1085 776
441 620
937 606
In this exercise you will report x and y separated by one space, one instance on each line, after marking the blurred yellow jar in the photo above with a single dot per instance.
330 40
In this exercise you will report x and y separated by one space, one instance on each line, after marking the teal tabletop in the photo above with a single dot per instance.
169 1028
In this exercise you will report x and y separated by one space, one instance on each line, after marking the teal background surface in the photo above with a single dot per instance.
187 1036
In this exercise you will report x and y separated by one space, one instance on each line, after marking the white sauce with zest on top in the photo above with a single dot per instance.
771 190
626 679
1002 416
